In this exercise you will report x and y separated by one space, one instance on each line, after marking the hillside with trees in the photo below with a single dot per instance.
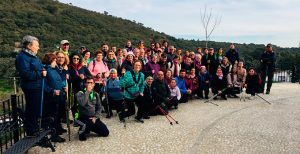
52 21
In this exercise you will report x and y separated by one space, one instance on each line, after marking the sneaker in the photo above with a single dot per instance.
82 137
268 92
139 120
176 107
61 130
58 139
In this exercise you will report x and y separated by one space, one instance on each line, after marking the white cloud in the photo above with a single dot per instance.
247 20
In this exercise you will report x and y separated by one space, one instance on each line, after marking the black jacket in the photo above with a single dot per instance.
161 91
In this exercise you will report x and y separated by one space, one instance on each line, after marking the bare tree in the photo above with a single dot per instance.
208 23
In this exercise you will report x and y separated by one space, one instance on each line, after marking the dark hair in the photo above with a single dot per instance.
105 43
88 78
98 52
175 57
48 58
84 52
75 54
164 55
182 70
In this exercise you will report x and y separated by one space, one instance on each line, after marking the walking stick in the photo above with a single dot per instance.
263 99
67 113
123 103
42 103
211 98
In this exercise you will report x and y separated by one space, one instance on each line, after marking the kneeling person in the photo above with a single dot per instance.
89 107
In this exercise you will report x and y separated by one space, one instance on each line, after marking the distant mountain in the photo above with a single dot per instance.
52 21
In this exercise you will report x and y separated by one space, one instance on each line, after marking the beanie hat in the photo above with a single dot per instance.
113 71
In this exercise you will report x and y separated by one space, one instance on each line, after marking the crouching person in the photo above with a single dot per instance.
252 83
89 108
175 94
219 84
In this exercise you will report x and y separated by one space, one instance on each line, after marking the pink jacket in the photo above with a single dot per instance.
98 67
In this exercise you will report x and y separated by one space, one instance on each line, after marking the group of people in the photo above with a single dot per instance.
153 78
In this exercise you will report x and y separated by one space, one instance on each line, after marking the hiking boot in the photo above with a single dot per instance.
268 92
139 120
175 107
82 137
57 138
146 117
61 130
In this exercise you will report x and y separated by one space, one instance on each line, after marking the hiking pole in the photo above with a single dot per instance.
67 112
168 114
123 103
263 99
214 96
163 112
42 103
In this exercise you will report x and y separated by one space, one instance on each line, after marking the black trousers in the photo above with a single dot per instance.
173 102
267 72
87 125
51 109
116 104
200 91
32 110
131 107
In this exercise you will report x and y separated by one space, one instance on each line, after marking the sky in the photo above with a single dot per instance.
242 21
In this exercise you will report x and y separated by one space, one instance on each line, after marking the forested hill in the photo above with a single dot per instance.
52 21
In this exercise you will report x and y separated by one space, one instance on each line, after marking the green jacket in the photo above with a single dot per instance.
130 86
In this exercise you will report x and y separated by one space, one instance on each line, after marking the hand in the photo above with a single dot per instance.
141 94
93 119
245 85
44 73
56 92
123 70
98 76
81 76
207 82
153 71
67 76
189 91
208 61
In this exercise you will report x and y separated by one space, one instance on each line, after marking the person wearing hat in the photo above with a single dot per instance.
268 60
152 67
65 46
115 95
127 65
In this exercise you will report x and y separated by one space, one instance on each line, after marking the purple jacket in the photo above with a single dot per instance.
151 66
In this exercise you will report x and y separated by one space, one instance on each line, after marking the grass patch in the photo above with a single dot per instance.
6 88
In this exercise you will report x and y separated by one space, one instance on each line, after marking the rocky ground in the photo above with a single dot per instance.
234 126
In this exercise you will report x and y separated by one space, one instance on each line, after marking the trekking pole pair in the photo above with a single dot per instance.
214 96
167 115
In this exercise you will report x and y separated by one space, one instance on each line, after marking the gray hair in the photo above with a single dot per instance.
198 56
28 39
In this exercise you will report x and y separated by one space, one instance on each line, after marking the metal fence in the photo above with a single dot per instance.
11 127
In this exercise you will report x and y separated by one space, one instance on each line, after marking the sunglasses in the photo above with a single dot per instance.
76 58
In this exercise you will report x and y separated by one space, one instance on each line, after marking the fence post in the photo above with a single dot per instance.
15 117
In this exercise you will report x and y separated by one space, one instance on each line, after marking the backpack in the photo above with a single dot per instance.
94 64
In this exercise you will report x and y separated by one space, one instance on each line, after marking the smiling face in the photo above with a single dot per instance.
137 66
75 59
149 80
160 75
60 58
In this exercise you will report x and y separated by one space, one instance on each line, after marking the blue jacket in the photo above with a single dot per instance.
181 85
202 79
113 89
53 81
30 70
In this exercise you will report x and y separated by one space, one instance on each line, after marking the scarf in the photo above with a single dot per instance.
29 52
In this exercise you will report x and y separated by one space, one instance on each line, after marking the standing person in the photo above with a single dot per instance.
241 74
54 92
163 63
267 60
62 69
120 57
187 64
220 55
133 81
152 67
252 83
204 81
115 95
175 66
168 76
31 73
232 54
175 94
105 50
65 47
129 46
161 91
165 46
89 107
212 62
111 61
86 58
225 66
171 53
99 71
198 63
128 63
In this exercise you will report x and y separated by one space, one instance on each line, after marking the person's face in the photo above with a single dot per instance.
34 46
149 80
157 45
89 83
105 48
87 55
114 49
136 53
251 72
60 58
164 59
130 57
219 72
113 75
175 60
149 53
182 74
160 75
193 55
220 51
199 50
163 47
187 53
124 52
188 60
211 52
65 47
75 59
168 74
232 46
173 83
202 71
225 60
234 69
205 51
240 65
120 53
142 53
154 59
171 50
128 44
111 55
198 58
269 48
192 71
137 66
53 63
82 49
99 57
152 46
166 44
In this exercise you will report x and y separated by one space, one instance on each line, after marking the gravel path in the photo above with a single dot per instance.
234 126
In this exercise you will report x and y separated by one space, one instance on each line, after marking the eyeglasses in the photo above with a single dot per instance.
75 58
89 82
60 57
